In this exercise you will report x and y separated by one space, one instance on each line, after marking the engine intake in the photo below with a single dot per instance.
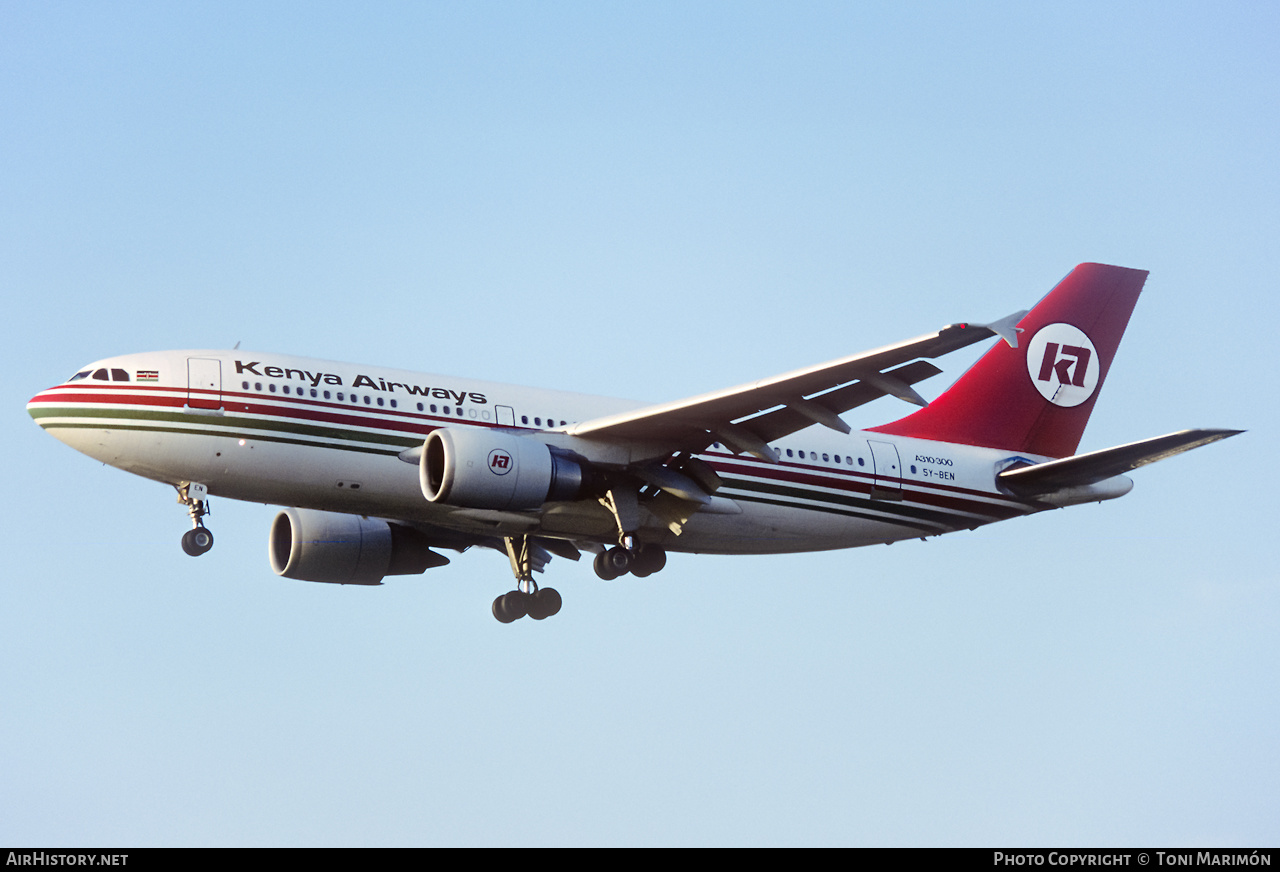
311 545
476 468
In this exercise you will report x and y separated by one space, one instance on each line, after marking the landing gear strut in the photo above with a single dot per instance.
195 497
527 598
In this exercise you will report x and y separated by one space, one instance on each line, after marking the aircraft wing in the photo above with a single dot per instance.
1086 469
746 418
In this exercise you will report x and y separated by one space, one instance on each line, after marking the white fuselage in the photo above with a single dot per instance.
317 434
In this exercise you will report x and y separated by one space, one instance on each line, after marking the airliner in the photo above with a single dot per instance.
380 470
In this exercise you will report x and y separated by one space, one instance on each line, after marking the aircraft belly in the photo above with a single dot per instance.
317 477
765 529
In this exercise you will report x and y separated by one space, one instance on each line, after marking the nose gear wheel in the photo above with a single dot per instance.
195 496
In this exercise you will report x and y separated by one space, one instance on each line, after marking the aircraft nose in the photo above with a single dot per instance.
38 403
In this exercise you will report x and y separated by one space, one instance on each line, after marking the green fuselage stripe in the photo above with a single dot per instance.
233 427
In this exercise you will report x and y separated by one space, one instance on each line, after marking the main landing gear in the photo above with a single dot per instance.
640 561
527 598
195 497
629 555
526 555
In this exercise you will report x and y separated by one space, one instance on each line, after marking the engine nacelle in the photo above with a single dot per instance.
310 545
478 468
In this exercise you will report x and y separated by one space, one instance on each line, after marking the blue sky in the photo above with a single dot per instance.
648 201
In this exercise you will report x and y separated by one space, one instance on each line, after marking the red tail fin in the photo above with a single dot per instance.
1036 398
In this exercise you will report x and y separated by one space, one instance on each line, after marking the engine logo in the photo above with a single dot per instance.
1063 364
500 462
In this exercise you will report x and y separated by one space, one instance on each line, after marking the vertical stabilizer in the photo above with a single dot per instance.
1036 398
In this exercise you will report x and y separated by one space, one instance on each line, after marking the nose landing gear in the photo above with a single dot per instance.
195 497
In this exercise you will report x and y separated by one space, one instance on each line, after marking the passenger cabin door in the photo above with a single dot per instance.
204 383
888 469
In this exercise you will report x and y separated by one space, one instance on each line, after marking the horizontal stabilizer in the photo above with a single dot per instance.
1086 469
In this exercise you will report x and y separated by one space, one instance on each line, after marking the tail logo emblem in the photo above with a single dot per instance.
1063 364
500 462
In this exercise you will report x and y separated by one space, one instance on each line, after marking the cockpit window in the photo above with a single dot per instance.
102 374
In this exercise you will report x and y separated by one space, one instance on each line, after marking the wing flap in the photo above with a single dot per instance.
1095 466
782 421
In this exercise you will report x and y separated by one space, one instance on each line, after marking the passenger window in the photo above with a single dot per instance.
381 401
367 400
272 388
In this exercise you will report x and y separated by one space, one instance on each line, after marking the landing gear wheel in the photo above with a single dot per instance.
197 541
545 603
511 606
602 568
500 612
651 559
618 560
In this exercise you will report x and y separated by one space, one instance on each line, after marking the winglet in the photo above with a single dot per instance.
1006 328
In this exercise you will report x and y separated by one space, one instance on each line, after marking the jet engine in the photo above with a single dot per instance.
310 545
476 468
